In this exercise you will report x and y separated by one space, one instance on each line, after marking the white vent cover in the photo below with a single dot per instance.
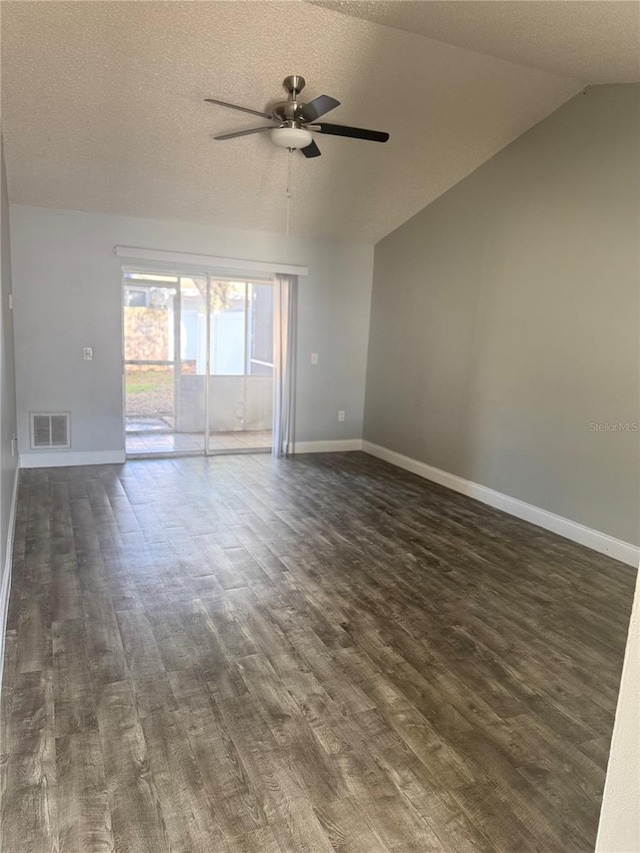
50 429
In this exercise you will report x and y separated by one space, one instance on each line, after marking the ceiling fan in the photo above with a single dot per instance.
296 120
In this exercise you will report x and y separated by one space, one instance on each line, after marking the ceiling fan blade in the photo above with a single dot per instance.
242 133
354 132
316 108
236 107
311 150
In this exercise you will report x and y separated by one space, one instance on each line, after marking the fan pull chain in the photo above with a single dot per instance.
289 187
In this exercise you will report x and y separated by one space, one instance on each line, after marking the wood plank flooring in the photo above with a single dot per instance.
249 655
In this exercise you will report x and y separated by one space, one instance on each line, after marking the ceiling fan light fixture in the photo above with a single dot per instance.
291 137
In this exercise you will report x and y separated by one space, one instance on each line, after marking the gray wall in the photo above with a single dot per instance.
8 462
505 320
68 288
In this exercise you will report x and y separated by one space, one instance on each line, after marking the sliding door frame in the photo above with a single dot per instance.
183 271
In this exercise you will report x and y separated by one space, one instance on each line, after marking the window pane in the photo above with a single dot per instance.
228 328
148 319
135 298
261 330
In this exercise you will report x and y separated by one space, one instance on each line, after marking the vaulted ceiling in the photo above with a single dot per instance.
102 103
597 41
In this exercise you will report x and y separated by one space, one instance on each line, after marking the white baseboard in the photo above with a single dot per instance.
62 458
5 590
594 539
339 446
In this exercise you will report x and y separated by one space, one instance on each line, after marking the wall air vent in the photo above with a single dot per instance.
50 429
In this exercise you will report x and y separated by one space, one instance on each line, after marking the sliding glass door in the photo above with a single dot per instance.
241 366
198 356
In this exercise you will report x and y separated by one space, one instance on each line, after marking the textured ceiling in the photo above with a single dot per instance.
102 110
597 41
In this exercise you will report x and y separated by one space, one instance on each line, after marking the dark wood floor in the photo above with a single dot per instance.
326 653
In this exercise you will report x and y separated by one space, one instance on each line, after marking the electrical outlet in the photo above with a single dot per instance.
341 415
87 353
14 445
314 358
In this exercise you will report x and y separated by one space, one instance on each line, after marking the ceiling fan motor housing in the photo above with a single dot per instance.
286 111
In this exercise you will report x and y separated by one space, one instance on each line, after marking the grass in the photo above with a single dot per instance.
149 393
148 381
